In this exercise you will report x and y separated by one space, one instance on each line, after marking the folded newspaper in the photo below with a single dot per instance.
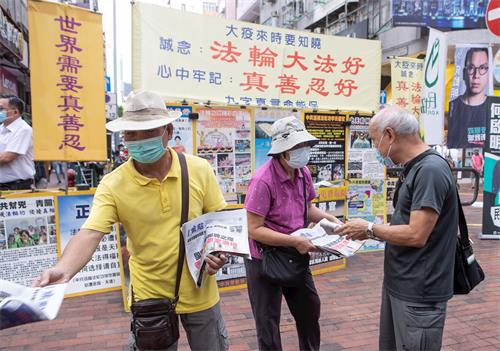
22 305
323 236
211 233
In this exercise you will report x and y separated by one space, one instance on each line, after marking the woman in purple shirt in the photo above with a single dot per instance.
275 203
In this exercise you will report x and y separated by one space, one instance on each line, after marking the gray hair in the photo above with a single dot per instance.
402 121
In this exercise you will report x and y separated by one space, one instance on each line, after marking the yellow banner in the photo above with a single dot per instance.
406 78
182 55
67 82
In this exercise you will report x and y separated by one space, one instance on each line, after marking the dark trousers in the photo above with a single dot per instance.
265 299
17 185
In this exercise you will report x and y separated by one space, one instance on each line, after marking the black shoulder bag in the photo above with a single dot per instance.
155 324
467 272
284 265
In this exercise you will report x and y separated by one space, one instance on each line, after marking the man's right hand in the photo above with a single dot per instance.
51 276
304 245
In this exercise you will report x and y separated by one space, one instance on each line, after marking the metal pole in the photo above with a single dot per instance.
65 171
115 71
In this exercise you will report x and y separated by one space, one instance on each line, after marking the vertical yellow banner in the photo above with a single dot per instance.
67 82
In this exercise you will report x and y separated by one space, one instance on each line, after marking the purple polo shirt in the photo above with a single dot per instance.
271 194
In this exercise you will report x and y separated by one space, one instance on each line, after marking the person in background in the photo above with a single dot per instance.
58 170
477 161
420 240
17 168
276 206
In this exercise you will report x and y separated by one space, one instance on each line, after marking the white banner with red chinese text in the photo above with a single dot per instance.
183 55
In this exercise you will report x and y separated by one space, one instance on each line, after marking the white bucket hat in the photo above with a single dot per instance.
144 110
288 132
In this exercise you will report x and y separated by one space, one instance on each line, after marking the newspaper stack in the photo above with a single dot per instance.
211 233
323 236
21 305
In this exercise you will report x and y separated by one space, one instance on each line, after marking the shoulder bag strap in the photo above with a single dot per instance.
462 223
305 196
184 218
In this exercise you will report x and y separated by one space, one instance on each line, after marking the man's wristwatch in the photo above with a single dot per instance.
369 232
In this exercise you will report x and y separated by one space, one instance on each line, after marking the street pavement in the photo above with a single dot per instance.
349 313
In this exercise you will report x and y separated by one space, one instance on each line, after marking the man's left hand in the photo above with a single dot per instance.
354 229
215 262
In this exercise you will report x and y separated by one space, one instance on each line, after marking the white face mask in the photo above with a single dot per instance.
299 157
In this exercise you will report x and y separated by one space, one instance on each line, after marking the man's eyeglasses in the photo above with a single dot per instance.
471 70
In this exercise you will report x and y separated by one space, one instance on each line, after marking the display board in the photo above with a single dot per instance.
28 240
491 196
328 157
102 273
263 120
182 139
362 160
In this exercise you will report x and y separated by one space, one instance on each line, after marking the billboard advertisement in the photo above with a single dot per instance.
456 14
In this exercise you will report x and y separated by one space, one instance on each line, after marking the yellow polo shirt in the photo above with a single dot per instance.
150 212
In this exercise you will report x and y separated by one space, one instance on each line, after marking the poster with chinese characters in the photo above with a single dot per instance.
224 139
406 76
28 242
102 273
182 139
264 119
327 160
67 82
366 200
362 161
491 195
239 63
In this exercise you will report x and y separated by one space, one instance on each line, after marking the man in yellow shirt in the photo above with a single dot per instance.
144 194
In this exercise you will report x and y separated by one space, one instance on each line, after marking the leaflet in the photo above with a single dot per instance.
21 305
214 233
323 236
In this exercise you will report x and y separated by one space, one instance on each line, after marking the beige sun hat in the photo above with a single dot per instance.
288 132
142 111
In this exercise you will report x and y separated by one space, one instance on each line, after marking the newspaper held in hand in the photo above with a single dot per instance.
323 236
22 305
213 233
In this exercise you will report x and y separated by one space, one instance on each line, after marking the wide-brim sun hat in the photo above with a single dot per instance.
142 111
287 133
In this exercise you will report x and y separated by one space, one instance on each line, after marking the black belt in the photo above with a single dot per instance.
17 184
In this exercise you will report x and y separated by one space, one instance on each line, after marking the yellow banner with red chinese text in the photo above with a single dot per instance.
182 55
67 82
406 81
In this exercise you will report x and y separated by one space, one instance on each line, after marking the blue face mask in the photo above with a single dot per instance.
385 161
3 116
147 150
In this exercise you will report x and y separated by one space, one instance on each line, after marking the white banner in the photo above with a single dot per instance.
433 95
183 55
